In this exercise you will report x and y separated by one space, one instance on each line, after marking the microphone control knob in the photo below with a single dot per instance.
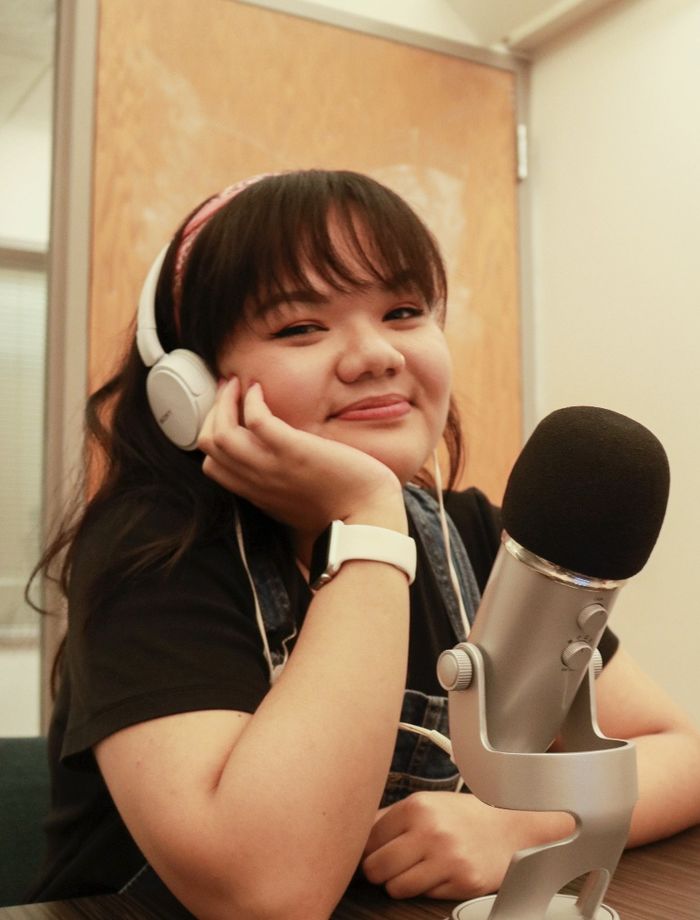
592 619
576 656
454 669
597 664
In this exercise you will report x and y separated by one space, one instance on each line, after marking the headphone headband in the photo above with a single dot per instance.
147 340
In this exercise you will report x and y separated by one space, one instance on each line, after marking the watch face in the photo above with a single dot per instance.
319 560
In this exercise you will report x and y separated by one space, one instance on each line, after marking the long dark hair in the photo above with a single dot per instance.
258 244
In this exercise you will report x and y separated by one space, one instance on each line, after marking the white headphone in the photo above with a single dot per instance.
180 386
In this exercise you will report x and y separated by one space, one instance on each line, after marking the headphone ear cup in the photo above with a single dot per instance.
181 390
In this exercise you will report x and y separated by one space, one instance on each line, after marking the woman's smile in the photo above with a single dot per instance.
375 408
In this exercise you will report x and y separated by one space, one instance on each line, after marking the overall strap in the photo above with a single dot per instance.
425 514
273 610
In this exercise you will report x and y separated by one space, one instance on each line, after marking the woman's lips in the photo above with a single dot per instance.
380 408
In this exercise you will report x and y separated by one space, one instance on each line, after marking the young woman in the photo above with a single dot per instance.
221 730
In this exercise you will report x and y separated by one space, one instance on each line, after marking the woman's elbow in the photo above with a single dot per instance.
265 896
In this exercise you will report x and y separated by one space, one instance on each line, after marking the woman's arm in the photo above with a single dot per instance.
449 845
633 706
267 815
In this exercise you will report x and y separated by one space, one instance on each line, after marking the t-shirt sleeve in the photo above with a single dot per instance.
478 522
479 525
165 641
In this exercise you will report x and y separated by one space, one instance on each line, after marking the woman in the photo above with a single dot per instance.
221 727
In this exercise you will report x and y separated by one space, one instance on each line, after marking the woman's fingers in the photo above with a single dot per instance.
226 405
405 865
238 428
272 433
223 414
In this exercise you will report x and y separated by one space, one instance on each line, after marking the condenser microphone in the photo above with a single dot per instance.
582 511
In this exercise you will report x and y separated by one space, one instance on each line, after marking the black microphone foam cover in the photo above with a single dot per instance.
588 492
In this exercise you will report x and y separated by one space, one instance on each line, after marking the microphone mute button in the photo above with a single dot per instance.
592 619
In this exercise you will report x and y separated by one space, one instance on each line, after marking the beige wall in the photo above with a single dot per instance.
615 145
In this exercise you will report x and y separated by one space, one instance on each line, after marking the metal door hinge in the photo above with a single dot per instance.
521 151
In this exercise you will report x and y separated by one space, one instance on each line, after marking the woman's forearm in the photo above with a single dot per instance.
245 815
312 763
669 785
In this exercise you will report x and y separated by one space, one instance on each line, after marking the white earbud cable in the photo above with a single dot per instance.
448 551
258 611
439 740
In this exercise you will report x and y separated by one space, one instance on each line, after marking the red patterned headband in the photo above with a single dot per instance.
193 228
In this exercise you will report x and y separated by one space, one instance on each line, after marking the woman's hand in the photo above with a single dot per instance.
451 845
296 477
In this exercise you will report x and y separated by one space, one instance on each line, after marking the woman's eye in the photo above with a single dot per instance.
406 311
300 329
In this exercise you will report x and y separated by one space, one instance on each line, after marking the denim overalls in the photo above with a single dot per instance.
417 764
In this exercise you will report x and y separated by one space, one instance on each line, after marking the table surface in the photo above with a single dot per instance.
656 882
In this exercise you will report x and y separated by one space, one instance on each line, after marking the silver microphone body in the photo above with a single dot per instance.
537 626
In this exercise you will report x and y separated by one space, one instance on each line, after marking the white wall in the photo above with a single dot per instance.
25 176
436 18
19 691
615 144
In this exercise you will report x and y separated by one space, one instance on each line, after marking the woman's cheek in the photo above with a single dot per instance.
436 363
292 399
438 385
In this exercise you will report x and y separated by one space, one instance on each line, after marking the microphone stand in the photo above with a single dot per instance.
594 779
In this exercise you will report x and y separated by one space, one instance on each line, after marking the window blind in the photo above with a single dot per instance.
22 373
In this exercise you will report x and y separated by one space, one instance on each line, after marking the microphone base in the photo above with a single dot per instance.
561 907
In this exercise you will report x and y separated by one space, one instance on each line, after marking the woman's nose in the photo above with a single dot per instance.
369 355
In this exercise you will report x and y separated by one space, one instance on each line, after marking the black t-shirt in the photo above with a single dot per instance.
179 639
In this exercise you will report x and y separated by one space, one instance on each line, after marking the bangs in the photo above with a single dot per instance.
286 233
350 236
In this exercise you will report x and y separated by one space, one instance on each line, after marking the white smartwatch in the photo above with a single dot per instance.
341 542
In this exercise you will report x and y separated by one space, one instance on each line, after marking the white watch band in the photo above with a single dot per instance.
364 541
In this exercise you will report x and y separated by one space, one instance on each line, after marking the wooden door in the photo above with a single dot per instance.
192 96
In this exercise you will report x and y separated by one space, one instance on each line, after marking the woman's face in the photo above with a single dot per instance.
369 368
